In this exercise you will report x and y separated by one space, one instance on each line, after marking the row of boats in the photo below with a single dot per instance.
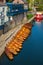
15 45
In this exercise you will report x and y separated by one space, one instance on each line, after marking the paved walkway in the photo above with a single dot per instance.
4 39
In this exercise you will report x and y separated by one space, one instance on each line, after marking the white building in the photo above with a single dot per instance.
3 16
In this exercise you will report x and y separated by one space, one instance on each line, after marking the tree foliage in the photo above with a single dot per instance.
9 0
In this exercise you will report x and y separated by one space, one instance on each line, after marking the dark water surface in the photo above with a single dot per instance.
32 51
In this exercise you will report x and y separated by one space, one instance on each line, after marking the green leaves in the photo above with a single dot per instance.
8 0
29 16
28 1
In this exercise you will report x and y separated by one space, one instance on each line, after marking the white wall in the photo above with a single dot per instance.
4 13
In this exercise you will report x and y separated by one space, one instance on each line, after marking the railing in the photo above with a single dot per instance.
15 9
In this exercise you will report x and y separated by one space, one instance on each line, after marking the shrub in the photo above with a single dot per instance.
29 16
40 8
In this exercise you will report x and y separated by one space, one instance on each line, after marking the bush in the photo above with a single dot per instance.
29 16
40 8
30 9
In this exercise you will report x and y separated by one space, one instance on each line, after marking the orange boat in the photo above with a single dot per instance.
9 54
15 44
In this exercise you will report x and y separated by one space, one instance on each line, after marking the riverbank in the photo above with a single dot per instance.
5 38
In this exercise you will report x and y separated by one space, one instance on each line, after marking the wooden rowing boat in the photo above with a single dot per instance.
15 44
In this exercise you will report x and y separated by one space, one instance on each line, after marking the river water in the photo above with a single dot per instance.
32 51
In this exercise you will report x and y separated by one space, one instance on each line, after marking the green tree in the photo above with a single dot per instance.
39 1
8 0
31 3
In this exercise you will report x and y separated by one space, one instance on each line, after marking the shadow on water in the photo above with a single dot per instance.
32 51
